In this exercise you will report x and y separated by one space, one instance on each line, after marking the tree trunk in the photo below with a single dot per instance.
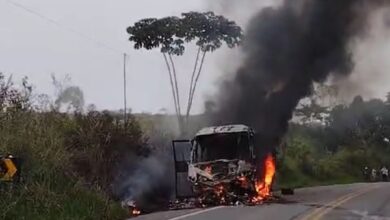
194 86
180 117
176 84
172 87
192 83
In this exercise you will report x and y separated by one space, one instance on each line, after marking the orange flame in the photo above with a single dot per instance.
263 187
135 212
219 190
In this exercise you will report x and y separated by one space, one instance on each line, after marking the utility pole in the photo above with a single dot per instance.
124 89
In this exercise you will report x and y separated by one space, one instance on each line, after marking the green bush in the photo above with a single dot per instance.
68 160
305 163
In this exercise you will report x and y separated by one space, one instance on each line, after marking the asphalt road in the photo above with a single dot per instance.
363 201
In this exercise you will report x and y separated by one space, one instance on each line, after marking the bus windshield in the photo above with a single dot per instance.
222 146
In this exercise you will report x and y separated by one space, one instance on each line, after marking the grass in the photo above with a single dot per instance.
53 186
38 201
305 164
50 188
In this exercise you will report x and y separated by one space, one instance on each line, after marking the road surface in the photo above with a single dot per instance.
363 201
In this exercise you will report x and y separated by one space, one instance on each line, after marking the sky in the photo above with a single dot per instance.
70 42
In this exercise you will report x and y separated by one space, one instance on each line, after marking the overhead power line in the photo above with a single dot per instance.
81 35
61 26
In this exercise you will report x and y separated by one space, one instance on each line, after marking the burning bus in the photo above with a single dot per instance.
219 166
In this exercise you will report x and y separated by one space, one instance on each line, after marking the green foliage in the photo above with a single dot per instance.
63 199
336 151
312 111
209 31
102 137
68 161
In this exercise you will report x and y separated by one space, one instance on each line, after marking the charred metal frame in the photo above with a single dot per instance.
180 166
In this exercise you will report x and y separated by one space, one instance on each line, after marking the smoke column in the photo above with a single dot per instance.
147 182
286 49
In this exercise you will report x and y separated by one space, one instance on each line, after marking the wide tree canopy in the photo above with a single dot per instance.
207 30
170 33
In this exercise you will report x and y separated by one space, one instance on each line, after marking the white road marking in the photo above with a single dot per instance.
196 213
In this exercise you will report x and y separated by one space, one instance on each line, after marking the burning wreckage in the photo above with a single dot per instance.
220 167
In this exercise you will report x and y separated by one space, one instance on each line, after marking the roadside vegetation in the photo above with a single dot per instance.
333 144
69 160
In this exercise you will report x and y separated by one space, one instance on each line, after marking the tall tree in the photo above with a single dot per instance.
207 30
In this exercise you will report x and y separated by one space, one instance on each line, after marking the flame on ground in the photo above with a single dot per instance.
135 212
263 187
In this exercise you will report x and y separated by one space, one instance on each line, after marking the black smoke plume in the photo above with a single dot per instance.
286 49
